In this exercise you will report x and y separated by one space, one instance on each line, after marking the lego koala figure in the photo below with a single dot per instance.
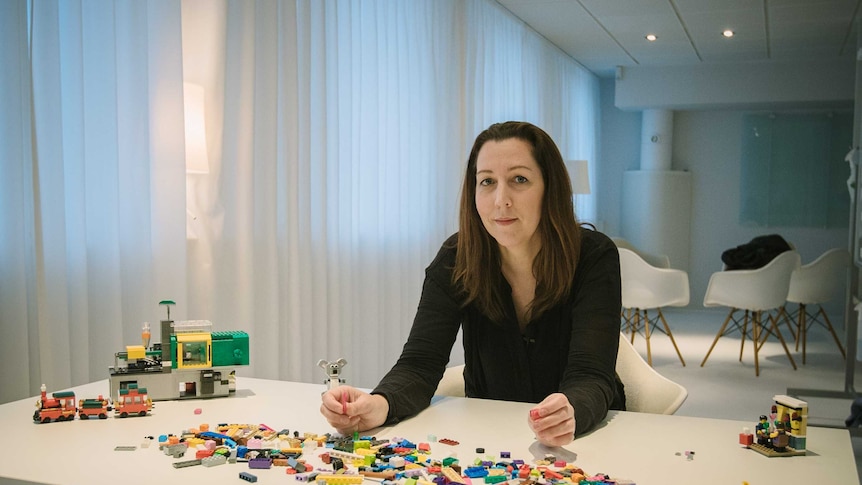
333 371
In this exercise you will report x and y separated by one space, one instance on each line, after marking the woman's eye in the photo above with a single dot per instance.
485 182
520 179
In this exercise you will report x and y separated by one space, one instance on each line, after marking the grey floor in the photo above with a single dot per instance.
726 388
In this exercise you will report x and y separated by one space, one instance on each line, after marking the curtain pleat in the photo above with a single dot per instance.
337 134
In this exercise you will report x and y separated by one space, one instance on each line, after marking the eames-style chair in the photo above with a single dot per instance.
815 284
646 289
756 293
452 382
647 391
657 260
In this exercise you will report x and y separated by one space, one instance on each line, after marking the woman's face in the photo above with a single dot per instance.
509 190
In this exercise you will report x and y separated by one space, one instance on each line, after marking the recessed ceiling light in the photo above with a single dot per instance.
727 33
651 37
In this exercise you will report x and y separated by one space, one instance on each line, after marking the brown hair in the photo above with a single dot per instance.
477 262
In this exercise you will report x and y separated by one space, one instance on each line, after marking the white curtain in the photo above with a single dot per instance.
93 224
337 133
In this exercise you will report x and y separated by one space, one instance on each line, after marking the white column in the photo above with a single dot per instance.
656 139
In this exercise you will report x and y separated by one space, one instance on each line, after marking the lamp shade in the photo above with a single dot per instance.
197 160
580 176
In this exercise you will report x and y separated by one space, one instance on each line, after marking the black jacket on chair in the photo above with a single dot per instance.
756 253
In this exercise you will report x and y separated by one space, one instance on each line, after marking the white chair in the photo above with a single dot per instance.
814 284
647 391
644 288
657 260
754 291
452 383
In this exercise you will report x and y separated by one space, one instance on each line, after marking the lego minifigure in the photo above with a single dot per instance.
762 430
333 371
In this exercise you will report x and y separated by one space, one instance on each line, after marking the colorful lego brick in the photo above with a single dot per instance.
230 348
260 463
452 475
201 454
797 442
247 477
176 451
340 479
214 460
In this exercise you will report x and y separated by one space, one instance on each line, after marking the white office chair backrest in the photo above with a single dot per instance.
644 286
647 391
758 289
656 260
818 281
452 383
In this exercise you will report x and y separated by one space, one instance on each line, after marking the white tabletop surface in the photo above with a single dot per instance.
644 448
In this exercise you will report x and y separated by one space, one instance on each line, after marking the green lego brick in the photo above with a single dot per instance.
229 348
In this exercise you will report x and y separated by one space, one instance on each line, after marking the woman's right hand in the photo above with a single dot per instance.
348 409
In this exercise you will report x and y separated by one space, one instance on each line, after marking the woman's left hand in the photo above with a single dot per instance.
553 420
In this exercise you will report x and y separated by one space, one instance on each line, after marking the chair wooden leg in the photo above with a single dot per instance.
647 333
774 326
636 323
755 325
785 317
834 335
717 336
802 319
670 334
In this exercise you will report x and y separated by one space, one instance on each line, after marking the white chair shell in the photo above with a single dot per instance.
647 391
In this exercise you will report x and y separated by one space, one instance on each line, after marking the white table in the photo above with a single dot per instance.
648 449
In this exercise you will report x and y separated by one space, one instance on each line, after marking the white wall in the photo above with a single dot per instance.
619 150
708 144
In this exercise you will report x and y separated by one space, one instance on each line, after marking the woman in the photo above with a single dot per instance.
537 297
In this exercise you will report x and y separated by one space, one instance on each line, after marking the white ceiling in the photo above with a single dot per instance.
603 34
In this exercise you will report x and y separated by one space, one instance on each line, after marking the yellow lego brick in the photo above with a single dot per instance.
136 352
358 444
340 479
452 475
294 443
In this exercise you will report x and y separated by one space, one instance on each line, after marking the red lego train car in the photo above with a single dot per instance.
62 406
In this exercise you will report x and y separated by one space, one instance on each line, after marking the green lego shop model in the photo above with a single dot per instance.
189 362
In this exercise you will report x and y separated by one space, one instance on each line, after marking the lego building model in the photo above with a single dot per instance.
782 433
189 362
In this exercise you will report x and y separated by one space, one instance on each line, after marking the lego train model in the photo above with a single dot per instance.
62 406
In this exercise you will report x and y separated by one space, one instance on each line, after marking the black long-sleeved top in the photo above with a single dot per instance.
571 348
